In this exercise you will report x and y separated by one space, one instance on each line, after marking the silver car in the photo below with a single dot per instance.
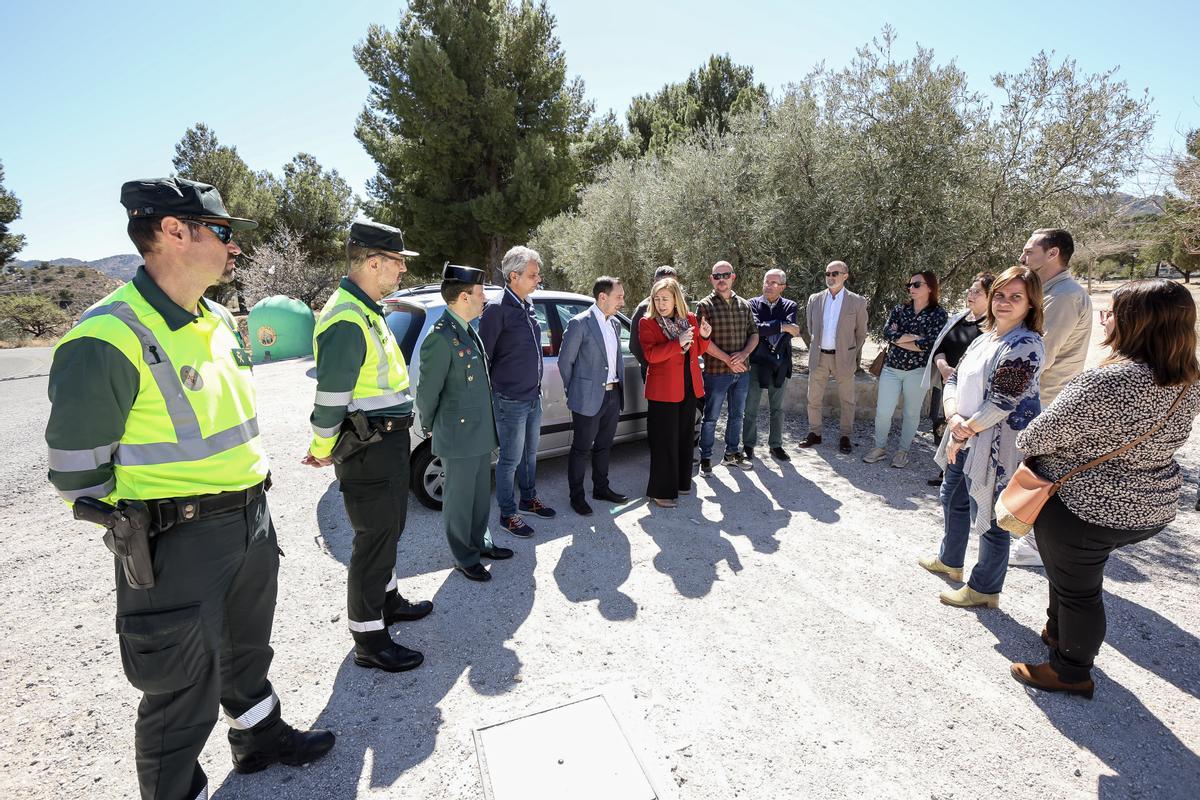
412 312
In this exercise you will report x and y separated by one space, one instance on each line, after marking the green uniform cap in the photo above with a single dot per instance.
379 237
451 272
177 197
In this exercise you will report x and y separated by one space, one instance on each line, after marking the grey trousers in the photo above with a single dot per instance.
197 640
750 420
466 500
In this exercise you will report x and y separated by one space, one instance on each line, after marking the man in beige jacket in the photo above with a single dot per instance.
835 332
1068 330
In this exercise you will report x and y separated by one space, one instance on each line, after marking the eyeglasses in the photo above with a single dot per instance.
833 274
722 276
775 283
915 285
1105 315
222 232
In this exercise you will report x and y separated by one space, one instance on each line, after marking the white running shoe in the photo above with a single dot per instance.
1024 552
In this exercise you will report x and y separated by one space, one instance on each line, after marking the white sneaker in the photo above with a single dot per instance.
878 454
1024 552
900 460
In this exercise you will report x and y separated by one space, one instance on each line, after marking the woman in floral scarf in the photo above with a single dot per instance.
991 398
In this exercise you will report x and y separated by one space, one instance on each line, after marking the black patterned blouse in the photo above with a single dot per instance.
926 325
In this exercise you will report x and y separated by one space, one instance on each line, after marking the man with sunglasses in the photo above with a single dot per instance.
836 322
363 385
726 366
153 429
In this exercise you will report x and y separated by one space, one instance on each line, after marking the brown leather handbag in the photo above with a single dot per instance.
1018 506
876 367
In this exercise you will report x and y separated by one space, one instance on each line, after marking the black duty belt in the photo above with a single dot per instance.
829 352
174 511
392 424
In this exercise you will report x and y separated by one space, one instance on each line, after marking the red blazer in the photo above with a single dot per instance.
664 361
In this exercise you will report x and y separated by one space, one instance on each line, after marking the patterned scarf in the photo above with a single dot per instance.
673 327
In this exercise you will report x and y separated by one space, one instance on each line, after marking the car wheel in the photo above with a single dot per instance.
428 477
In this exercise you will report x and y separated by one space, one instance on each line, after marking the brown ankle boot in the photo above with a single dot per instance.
1043 676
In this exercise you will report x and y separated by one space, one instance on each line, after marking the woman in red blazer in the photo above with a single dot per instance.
673 343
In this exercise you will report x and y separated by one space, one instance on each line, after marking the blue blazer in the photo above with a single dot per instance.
583 364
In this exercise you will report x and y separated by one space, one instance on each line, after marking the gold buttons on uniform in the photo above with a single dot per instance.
463 420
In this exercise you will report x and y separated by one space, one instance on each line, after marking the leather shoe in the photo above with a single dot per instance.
581 508
290 747
396 658
780 454
1043 676
476 572
610 496
497 553
844 445
810 440
405 611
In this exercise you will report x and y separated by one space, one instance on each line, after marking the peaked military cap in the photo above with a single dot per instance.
380 237
178 197
451 272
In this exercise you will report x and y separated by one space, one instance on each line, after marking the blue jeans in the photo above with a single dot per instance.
959 508
893 383
519 425
716 389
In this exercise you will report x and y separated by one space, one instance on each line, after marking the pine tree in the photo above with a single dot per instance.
470 119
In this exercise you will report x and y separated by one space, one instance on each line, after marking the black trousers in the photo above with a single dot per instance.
670 430
198 639
1075 553
374 485
593 435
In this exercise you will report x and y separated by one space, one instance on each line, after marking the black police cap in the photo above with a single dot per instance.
379 237
178 197
451 272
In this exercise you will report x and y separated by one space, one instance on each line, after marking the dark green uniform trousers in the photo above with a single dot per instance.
374 485
466 500
200 637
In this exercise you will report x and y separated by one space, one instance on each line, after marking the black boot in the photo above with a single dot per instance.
273 741
397 609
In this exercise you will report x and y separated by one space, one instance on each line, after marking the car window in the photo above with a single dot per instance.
624 331
548 347
405 324
568 309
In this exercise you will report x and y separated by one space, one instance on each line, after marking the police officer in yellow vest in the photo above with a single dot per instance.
362 378
153 412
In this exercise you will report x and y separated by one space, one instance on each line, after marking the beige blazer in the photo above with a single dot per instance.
851 330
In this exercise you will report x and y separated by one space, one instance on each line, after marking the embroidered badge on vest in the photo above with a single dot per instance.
191 378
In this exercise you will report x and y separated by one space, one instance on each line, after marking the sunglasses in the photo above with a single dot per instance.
915 285
833 274
222 232
722 276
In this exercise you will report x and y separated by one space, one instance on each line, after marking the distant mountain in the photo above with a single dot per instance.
121 267
1130 206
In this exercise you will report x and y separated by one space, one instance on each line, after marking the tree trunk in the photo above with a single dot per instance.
496 250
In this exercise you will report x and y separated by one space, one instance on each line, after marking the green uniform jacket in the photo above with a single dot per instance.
454 393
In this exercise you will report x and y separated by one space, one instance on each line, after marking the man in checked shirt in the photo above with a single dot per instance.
726 366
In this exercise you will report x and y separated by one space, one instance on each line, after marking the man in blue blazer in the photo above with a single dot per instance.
591 367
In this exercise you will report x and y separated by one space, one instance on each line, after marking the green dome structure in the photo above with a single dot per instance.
280 327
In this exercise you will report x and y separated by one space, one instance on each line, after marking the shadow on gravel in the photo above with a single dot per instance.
1147 757
595 564
1169 548
901 489
689 554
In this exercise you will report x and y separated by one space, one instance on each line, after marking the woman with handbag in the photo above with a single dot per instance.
988 400
1112 434
910 331
672 342
949 347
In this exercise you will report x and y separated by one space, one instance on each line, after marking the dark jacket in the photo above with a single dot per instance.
514 350
772 362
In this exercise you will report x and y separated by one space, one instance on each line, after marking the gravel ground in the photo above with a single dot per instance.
773 636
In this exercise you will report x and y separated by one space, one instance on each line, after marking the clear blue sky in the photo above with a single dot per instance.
98 93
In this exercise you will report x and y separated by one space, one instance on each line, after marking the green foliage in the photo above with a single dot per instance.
471 120
317 207
710 97
10 210
199 156
892 165
32 314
